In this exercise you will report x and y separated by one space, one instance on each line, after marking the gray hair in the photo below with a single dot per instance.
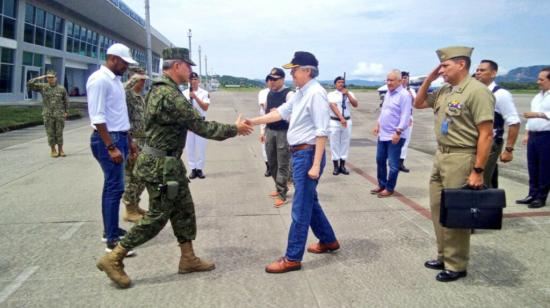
167 64
396 72
314 71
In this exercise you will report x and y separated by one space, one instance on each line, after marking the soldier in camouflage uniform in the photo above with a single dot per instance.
136 113
56 103
168 117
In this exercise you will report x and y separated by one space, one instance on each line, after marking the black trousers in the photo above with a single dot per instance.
538 163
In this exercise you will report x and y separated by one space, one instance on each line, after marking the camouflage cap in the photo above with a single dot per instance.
51 73
177 53
451 52
136 70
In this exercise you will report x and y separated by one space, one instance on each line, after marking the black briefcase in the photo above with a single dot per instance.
465 208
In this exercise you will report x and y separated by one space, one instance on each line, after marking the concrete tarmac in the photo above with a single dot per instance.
51 228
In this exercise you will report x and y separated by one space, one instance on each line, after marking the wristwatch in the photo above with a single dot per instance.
111 147
478 170
509 149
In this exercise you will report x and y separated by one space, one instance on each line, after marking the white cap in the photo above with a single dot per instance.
121 51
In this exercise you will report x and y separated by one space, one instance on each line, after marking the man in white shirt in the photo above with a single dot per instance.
505 115
408 132
308 113
537 139
341 100
262 102
110 140
195 145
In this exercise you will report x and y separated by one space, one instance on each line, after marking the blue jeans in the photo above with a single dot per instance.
387 152
306 210
113 180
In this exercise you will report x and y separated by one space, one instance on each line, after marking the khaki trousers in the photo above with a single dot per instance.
450 170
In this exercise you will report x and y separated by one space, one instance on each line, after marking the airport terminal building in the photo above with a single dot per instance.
68 36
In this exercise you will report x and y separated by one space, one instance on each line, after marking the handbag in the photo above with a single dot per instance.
466 208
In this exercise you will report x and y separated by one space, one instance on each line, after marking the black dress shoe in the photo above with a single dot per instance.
536 204
446 275
267 172
344 170
402 168
526 200
434 264
193 174
200 174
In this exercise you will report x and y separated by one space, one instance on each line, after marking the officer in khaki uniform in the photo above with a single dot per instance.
464 112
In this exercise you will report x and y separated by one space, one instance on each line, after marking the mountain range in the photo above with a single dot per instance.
528 74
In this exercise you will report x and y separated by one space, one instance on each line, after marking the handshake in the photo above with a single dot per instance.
244 127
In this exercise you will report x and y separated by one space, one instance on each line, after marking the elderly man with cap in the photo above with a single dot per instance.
308 112
55 103
341 100
464 111
196 145
276 144
262 102
168 117
505 113
110 140
136 108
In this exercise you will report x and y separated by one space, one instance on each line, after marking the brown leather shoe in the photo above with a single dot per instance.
385 194
283 265
376 190
322 248
279 202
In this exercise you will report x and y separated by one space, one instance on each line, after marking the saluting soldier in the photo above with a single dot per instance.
168 117
136 109
56 102
464 111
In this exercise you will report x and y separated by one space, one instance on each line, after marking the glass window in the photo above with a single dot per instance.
69 44
6 77
89 36
83 33
29 14
8 28
58 24
49 21
76 31
58 41
27 58
38 60
49 39
9 8
39 19
39 37
29 33
7 55
69 29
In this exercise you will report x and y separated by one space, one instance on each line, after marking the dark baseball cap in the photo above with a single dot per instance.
302 58
404 74
276 73
193 75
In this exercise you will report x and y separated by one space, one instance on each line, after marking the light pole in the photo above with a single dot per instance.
148 34
189 36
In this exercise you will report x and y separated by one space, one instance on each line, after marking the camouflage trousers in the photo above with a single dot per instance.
133 187
180 210
54 129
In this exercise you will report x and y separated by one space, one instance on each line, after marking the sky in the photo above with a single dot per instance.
364 38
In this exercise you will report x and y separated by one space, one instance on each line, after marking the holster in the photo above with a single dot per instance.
170 185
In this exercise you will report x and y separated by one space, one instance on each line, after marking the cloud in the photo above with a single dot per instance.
370 71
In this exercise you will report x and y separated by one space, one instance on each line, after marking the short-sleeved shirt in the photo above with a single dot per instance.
262 97
464 106
203 95
336 97
540 103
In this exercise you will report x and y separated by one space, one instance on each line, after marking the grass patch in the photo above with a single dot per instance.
524 91
26 115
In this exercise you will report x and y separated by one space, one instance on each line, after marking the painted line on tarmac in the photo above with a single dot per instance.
17 283
427 213
69 233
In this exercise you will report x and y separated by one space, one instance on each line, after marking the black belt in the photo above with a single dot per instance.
338 119
300 147
160 153
117 132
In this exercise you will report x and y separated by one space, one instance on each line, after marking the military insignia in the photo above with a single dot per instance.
455 104
273 72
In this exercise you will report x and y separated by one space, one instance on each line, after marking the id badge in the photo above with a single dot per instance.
445 126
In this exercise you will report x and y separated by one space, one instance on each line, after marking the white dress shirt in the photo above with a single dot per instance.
540 103
203 95
505 105
107 100
262 97
336 98
308 112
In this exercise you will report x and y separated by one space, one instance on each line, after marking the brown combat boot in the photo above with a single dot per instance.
132 213
112 265
191 263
